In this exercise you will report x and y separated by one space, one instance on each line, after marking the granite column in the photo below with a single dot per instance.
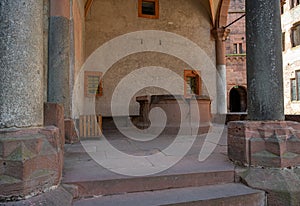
21 63
264 60
59 55
266 142
31 154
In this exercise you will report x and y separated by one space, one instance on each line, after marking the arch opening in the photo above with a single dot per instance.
238 99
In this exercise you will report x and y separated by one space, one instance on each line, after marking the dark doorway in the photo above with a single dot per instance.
238 99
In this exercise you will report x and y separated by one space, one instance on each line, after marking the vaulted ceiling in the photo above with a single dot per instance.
217 10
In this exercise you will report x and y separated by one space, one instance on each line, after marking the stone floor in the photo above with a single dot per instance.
82 166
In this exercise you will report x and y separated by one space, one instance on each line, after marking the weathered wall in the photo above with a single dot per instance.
133 62
108 19
236 71
291 57
237 30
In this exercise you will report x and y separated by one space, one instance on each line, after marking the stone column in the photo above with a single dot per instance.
266 142
59 54
264 60
220 35
31 155
21 63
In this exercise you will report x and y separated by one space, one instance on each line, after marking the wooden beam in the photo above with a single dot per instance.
87 6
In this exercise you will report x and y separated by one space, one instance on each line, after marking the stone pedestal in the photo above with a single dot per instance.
264 143
31 161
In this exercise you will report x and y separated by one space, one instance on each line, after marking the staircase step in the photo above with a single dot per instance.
232 194
87 188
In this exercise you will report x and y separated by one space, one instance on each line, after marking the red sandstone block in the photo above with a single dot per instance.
268 144
7 147
265 159
293 145
256 145
294 125
30 163
54 115
70 132
34 145
250 133
276 146
53 137
12 168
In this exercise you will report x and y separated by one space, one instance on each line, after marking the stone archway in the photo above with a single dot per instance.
238 99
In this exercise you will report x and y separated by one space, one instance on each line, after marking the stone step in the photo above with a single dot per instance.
225 194
123 184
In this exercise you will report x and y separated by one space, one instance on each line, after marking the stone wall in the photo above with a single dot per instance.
108 19
236 61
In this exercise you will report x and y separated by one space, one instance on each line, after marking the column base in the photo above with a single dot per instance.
31 161
273 144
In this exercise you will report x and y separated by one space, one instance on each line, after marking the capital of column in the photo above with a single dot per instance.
220 34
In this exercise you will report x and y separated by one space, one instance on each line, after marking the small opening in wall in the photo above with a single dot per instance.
148 8
192 83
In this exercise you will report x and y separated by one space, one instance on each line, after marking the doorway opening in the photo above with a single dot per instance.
238 99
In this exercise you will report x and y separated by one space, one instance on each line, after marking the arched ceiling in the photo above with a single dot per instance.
217 10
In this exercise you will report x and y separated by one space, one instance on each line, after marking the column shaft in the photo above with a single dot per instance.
21 63
264 60
220 36
59 54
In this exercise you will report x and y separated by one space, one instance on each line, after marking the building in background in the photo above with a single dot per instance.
290 21
236 58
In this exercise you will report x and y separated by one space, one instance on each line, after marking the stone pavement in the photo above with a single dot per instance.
214 174
81 166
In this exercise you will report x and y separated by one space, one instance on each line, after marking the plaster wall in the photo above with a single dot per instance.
108 19
291 57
